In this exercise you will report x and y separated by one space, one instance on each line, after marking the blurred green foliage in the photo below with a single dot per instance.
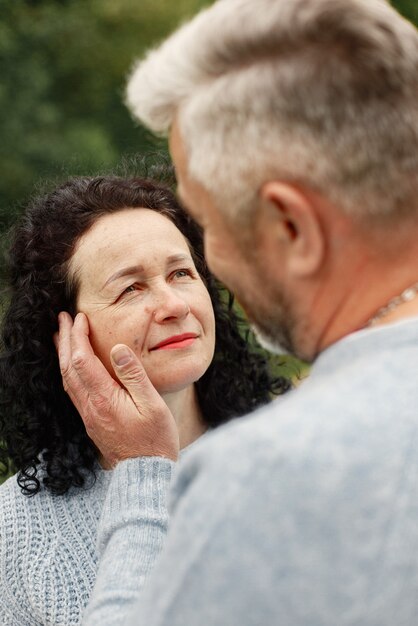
63 68
408 8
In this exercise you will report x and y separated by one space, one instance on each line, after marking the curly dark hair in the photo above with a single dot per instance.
38 421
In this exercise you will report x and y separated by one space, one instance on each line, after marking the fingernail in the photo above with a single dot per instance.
121 356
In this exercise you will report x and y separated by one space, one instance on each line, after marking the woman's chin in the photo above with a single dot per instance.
170 382
174 384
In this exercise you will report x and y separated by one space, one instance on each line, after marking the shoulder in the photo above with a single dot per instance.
19 515
339 422
47 551
18 524
28 523
16 508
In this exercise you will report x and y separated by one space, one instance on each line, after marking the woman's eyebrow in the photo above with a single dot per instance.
139 269
178 258
124 271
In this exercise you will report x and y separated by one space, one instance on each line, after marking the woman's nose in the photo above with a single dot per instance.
170 305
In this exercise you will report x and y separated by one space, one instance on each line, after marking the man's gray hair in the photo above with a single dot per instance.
320 93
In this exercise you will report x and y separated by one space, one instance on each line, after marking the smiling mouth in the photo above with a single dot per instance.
176 342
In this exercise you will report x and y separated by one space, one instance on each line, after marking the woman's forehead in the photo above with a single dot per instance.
131 237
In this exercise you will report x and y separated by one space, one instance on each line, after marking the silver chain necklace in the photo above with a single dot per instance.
406 296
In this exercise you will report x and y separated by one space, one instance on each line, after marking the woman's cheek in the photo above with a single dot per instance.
137 345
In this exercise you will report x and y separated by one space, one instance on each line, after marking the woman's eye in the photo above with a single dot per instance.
182 273
135 288
130 289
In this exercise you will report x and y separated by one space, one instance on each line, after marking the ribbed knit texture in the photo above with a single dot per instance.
134 527
48 555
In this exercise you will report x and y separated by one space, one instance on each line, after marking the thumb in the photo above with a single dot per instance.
131 373
159 435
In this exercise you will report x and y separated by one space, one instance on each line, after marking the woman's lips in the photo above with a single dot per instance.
176 342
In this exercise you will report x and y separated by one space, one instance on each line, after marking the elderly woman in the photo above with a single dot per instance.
122 252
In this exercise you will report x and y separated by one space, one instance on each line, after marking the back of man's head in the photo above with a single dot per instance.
320 93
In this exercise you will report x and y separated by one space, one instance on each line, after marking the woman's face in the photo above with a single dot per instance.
138 285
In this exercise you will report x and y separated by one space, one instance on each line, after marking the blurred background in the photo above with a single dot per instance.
63 68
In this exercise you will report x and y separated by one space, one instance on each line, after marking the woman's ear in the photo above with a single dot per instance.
289 221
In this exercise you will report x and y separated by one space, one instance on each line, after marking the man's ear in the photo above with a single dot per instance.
291 222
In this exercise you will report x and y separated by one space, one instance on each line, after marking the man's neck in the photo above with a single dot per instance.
401 306
367 307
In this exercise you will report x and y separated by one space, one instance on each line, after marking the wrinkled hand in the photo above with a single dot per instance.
123 422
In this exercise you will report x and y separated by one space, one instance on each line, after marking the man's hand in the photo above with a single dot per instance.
123 422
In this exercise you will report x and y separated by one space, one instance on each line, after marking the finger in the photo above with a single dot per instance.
157 434
85 379
70 380
79 336
65 324
131 373
92 374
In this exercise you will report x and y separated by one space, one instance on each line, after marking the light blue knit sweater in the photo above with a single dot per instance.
303 514
48 556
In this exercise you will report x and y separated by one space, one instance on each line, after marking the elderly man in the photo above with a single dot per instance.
293 126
